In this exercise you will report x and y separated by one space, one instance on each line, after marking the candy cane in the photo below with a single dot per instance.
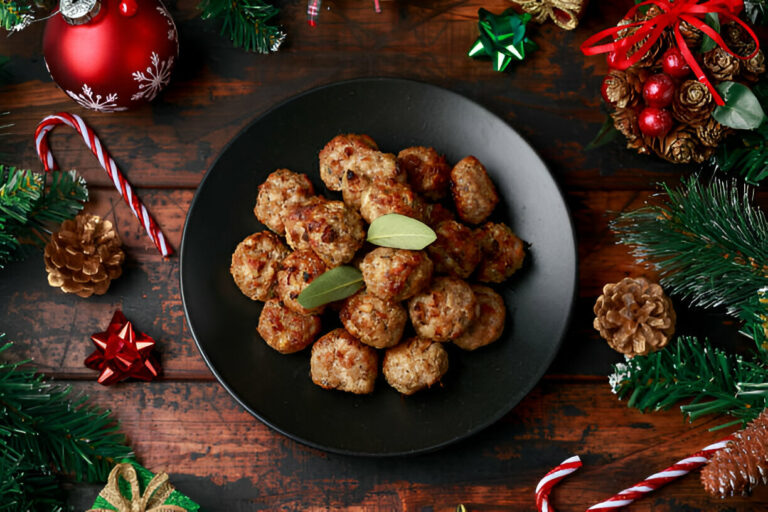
637 491
551 479
109 165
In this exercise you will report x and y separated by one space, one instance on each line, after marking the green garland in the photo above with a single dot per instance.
15 15
27 209
46 433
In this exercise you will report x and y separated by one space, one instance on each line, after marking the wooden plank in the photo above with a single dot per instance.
246 466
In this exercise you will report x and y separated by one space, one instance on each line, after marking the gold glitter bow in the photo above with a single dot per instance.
563 12
157 491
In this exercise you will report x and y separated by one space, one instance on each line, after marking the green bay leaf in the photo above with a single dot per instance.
335 284
400 232
742 109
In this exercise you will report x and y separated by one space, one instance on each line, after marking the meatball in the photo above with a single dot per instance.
455 252
279 194
396 274
286 331
295 274
434 213
374 321
356 180
473 191
443 311
427 172
489 321
255 263
340 154
296 234
502 253
340 361
330 228
389 196
414 365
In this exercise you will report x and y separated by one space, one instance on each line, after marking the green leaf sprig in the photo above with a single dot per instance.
400 232
335 284
742 109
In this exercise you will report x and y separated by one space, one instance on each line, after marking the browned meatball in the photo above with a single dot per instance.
374 321
434 213
255 263
283 191
340 153
295 221
473 191
389 196
455 252
503 253
489 321
356 180
396 274
416 364
286 331
427 172
443 311
330 228
340 361
296 272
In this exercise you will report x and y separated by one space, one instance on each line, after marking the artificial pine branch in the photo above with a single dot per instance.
247 22
713 381
27 209
44 432
708 243
15 15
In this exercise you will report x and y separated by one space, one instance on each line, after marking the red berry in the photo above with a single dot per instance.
658 90
673 64
654 122
611 60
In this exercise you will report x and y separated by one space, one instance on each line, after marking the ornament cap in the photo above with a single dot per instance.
79 12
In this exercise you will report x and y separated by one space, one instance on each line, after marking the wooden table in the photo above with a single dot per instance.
187 424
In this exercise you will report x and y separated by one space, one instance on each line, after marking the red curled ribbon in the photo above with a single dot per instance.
649 31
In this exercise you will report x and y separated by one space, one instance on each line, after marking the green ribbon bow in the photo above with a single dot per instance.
502 38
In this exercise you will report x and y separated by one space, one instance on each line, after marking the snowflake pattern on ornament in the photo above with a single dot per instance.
172 29
99 103
151 83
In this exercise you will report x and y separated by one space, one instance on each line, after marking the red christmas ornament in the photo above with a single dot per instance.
111 55
658 90
673 63
654 122
121 352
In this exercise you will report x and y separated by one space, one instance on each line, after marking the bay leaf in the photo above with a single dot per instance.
742 109
335 284
400 232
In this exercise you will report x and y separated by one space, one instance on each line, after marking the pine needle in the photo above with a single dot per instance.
15 15
247 22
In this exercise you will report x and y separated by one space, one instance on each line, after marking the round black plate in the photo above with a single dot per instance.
480 387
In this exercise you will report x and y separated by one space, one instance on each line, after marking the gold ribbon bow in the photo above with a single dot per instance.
157 491
563 12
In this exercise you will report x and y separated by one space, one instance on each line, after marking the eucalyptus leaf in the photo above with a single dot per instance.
742 109
400 232
335 284
607 133
709 44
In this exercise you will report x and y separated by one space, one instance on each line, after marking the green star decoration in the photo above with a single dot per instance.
502 38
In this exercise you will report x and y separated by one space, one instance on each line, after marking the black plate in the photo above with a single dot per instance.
480 387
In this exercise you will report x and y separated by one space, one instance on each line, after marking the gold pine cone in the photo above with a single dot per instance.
737 39
751 69
712 133
623 88
692 103
84 256
693 36
634 316
721 64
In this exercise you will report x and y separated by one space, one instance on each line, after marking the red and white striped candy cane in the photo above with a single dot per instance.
109 165
637 491
551 479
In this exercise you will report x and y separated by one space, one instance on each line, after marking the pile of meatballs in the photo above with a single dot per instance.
428 287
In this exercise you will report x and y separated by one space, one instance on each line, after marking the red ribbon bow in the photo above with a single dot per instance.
649 31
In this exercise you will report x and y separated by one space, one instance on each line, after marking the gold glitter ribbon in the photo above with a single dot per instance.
157 491
563 12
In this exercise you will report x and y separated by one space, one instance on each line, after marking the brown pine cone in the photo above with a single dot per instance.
679 146
712 133
721 64
625 121
634 316
84 256
623 88
741 464
652 54
692 103
751 69
693 36
737 39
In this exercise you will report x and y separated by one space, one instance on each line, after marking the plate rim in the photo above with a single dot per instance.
432 448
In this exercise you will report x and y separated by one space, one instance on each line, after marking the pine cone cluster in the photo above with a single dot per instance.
743 463
634 316
84 256
689 132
